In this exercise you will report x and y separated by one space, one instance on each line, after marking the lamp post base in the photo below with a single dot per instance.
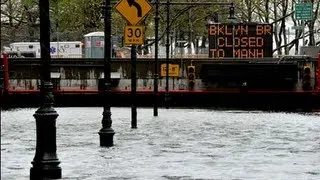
47 171
106 137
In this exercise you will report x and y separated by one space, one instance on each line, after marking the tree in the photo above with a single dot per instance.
18 21
71 19
281 14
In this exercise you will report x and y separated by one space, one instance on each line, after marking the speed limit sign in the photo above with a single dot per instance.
133 35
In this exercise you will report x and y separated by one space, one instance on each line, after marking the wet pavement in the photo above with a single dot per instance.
179 144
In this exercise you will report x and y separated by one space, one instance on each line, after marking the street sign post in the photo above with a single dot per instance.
303 11
134 11
133 35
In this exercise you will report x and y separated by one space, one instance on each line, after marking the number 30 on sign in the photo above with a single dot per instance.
133 35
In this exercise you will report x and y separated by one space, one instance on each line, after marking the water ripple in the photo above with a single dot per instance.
179 144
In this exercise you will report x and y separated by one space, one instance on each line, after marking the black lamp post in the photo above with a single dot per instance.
167 53
45 163
156 75
106 132
1 84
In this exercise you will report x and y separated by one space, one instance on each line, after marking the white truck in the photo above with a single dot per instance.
65 49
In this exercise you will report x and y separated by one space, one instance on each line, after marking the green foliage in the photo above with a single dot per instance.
78 16
71 19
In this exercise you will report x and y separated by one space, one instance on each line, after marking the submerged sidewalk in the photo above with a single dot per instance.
178 144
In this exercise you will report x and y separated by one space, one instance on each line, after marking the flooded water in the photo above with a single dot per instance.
179 144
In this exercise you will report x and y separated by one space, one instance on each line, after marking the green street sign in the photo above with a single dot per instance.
303 11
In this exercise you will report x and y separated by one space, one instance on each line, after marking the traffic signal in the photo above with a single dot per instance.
306 78
231 12
191 76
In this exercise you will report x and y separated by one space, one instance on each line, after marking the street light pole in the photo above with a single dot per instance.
1 84
156 34
45 163
167 54
106 132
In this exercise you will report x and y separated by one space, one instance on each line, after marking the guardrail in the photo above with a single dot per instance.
99 61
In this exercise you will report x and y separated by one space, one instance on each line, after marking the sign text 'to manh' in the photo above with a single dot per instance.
240 40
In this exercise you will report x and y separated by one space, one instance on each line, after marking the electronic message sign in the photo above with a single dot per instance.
240 40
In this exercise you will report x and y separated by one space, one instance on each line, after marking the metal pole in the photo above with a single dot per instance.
45 163
289 34
318 70
191 3
198 3
167 54
133 86
5 64
171 46
156 19
233 50
232 18
106 132
1 83
303 32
